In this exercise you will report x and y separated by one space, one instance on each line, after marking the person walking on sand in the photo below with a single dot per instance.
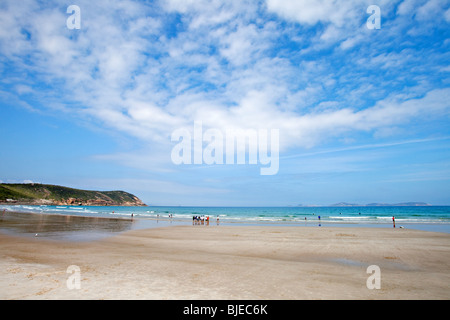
393 221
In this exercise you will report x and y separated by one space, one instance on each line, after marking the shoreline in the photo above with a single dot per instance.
87 228
230 263
295 215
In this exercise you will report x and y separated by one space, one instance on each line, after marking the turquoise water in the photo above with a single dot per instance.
72 222
285 215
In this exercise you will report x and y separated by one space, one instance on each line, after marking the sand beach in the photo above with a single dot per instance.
229 262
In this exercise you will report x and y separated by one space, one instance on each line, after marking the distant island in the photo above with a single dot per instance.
46 194
346 204
403 204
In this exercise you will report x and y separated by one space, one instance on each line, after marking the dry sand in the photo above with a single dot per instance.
221 262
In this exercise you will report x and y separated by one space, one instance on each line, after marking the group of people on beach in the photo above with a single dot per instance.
202 220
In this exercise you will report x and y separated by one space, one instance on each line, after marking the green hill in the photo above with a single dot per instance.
34 193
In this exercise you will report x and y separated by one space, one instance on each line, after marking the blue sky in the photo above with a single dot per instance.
363 114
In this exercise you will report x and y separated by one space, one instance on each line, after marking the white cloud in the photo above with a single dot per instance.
447 15
221 67
421 16
431 10
312 12
341 21
407 7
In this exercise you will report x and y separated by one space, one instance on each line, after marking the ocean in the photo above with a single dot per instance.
436 216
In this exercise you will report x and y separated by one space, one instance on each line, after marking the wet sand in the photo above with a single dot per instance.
229 262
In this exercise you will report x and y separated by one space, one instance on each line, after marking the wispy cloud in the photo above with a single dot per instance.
365 146
145 81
